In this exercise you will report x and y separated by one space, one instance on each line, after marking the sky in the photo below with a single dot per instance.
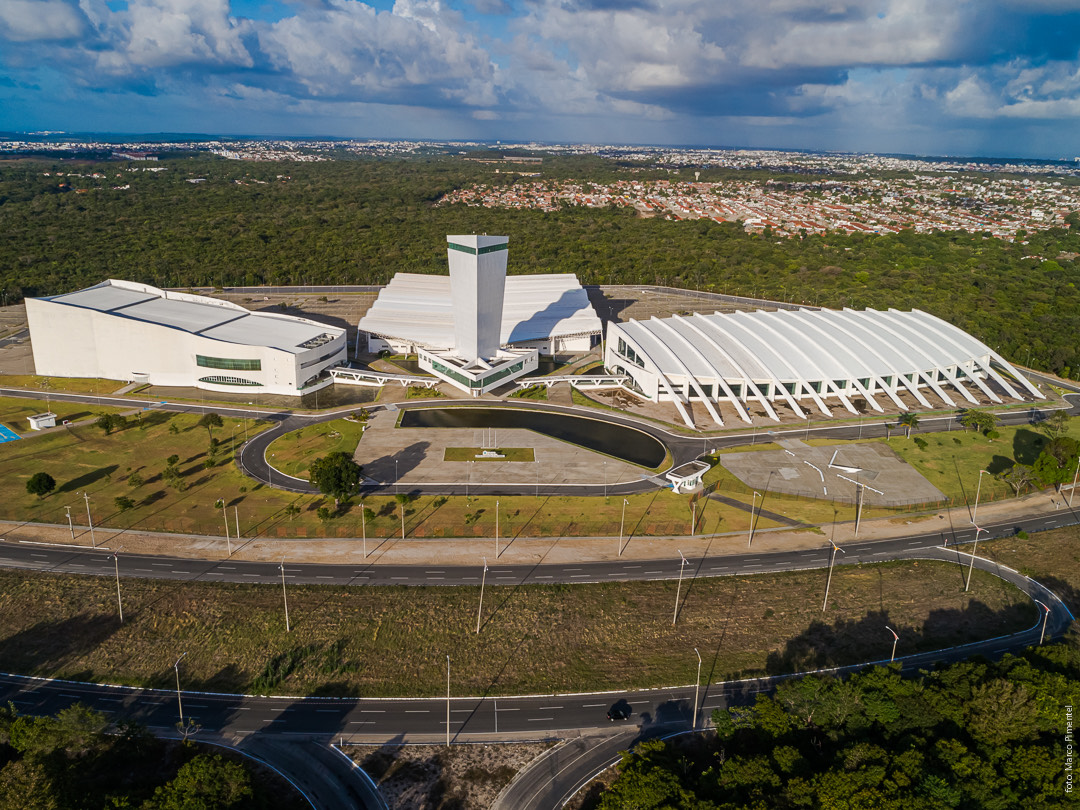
932 77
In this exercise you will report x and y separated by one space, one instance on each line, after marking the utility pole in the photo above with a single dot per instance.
236 515
1076 475
363 527
967 585
828 581
179 703
71 527
622 524
697 686
448 701
225 515
496 528
978 489
896 638
285 597
678 591
90 520
116 566
1046 617
480 611
753 506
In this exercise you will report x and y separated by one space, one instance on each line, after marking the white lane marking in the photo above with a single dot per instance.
417 711
592 705
538 719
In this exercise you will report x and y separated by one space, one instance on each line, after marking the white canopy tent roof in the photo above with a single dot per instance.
418 308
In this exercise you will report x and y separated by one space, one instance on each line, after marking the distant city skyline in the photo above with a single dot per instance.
990 78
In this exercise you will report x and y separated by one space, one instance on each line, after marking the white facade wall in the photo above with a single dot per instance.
71 341
477 288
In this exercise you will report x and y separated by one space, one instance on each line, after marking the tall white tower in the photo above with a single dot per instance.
477 283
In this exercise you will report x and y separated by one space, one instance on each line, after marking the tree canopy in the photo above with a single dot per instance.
40 483
973 734
336 475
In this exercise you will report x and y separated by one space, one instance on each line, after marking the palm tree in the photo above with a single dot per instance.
909 421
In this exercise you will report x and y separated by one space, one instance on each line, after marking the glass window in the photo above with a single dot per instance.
228 363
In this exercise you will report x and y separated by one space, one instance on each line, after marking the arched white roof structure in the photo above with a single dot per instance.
808 357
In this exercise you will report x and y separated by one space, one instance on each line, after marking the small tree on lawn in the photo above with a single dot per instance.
110 422
1055 426
123 502
336 475
210 421
40 483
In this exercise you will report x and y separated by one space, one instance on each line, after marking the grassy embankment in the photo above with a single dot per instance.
389 641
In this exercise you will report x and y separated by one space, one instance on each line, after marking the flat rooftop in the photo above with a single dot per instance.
198 315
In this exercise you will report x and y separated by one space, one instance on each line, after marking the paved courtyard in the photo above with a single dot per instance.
829 472
416 456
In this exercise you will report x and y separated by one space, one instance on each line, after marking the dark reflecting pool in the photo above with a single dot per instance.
333 396
604 437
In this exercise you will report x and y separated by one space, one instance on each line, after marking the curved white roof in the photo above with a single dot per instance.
418 308
826 346
209 317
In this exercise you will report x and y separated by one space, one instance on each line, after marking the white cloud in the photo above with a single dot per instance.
30 20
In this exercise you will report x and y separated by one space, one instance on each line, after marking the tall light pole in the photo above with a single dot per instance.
496 528
678 591
537 463
285 597
973 550
1046 617
90 520
480 611
363 527
622 524
71 527
225 516
179 703
753 505
397 487
828 581
860 493
401 506
236 515
978 489
1076 475
697 686
448 701
116 566
895 638
605 480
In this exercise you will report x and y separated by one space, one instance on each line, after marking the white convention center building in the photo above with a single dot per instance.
809 360
122 330
478 328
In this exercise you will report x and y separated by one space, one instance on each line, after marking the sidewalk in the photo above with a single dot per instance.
558 550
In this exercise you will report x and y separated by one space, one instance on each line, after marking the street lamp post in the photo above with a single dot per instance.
236 516
480 611
1046 617
605 481
448 701
1076 475
363 527
622 525
978 489
828 581
678 592
116 566
179 703
753 505
496 528
860 493
225 516
401 506
71 527
90 520
285 597
895 638
973 550
697 686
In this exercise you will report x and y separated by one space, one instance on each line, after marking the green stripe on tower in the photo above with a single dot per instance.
473 251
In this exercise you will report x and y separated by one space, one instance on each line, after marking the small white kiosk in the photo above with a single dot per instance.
40 421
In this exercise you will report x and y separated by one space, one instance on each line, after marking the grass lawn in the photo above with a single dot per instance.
536 392
952 460
1053 558
294 452
14 410
650 514
71 385
84 459
475 454
392 641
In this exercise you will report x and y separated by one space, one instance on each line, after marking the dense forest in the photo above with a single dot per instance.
971 735
214 222
78 761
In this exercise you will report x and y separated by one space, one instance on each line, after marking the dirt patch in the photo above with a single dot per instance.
419 777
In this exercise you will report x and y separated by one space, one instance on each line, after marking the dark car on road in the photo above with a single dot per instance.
620 711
